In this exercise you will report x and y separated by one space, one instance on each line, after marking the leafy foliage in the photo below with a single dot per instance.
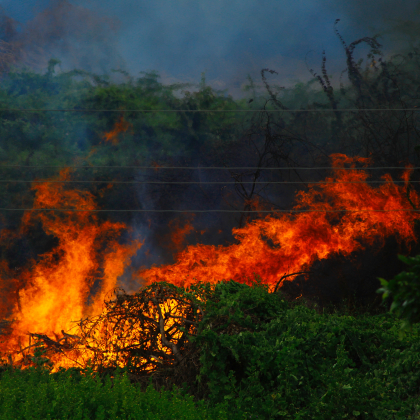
404 290
270 360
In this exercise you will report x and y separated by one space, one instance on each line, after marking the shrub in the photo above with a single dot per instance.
404 289
275 362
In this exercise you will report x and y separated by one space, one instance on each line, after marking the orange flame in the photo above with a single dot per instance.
58 289
178 234
291 242
121 126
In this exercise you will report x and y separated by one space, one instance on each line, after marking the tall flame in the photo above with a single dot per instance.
70 281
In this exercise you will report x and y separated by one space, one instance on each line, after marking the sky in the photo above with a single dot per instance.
226 39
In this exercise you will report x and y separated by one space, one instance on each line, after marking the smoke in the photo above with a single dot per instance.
78 37
226 39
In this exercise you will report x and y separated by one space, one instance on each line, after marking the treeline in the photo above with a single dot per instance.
260 138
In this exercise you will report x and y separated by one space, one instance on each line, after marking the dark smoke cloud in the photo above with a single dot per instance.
79 37
228 39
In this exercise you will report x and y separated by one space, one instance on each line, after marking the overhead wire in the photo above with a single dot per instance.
205 182
209 211
202 110
209 167
215 211
202 182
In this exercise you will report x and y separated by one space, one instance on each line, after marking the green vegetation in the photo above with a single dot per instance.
404 289
256 355
283 362
35 394
260 357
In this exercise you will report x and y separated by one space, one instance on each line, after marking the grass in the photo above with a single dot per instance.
35 394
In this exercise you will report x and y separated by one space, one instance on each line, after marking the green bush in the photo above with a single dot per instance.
404 289
277 362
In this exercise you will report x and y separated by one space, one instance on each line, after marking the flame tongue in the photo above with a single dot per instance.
290 243
58 289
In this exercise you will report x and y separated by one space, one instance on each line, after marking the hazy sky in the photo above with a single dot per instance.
227 39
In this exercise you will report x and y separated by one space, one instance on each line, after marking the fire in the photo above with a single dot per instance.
71 281
273 246
121 126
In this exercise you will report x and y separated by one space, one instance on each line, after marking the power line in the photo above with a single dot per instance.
216 211
205 110
205 182
209 167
